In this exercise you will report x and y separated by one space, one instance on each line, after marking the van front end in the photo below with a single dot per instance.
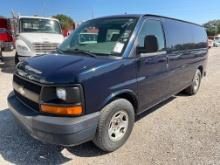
62 122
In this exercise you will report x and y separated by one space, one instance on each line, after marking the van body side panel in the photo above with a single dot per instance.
103 84
200 50
187 50
177 54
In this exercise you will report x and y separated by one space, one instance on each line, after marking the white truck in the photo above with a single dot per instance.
36 36
217 41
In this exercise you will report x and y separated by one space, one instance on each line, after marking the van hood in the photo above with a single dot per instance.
60 69
41 37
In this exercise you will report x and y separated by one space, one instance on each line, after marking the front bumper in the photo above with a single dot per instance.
66 131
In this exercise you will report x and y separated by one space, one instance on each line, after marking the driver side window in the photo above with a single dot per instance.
152 28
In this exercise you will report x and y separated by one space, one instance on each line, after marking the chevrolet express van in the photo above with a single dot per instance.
94 91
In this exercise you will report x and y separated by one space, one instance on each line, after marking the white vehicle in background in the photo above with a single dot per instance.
210 43
36 36
217 41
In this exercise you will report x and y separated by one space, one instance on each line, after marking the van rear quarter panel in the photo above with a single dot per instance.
186 49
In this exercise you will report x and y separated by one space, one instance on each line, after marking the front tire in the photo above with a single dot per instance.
194 87
115 125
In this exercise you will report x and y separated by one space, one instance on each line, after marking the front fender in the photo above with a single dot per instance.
125 93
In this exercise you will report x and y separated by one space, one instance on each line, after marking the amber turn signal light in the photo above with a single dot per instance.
62 110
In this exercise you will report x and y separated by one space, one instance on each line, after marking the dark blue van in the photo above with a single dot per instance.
95 85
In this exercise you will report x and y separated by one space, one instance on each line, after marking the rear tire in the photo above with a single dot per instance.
115 125
194 87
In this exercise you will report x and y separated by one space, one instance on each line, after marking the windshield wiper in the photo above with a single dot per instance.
59 51
84 52
76 51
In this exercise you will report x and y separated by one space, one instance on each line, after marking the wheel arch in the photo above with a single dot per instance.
124 94
200 67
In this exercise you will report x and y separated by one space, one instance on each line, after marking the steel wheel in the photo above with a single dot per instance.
115 125
194 87
118 126
196 82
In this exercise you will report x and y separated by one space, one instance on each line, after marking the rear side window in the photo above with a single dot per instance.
200 37
179 35
184 36
152 27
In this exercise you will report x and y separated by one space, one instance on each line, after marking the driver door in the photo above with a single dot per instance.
152 65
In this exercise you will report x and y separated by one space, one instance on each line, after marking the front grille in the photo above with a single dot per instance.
45 47
31 87
27 84
26 101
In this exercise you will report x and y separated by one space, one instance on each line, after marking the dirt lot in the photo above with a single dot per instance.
183 130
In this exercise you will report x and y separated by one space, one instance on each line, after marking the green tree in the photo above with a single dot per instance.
66 21
212 27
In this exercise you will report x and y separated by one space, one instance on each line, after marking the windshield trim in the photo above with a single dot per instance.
131 46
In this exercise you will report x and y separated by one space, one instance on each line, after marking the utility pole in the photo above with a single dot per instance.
92 13
43 9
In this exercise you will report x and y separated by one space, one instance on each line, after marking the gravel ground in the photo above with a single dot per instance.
182 130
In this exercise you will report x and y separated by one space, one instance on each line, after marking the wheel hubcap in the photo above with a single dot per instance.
196 82
118 126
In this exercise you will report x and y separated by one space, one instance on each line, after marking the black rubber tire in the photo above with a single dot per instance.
191 90
102 139
16 59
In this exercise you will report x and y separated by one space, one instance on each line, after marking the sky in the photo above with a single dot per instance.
198 11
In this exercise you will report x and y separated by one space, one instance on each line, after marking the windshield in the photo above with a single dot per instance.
36 25
102 37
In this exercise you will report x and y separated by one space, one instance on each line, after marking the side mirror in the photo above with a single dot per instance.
150 45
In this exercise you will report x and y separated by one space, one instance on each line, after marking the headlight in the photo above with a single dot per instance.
61 93
22 48
69 94
62 100
66 95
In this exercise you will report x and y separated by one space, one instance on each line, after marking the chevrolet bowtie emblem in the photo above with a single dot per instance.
31 69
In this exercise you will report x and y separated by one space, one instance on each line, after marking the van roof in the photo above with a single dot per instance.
150 15
173 19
